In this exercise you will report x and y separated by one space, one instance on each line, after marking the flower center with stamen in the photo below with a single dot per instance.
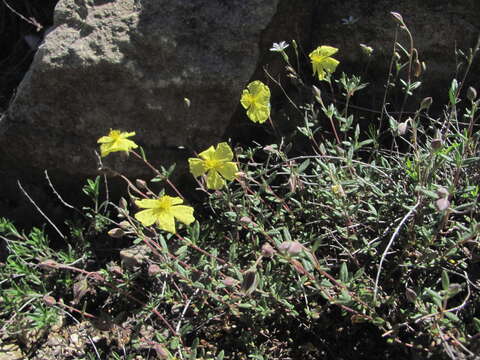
211 164
164 204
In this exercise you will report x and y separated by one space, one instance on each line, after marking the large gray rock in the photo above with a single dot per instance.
129 64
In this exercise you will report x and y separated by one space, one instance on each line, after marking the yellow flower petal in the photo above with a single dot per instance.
207 154
214 180
228 170
183 214
322 63
163 211
326 50
197 166
174 200
223 152
104 139
116 141
146 217
258 113
147 203
246 99
256 99
166 221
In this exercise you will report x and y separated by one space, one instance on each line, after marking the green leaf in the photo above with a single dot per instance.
445 280
344 273
452 93
303 166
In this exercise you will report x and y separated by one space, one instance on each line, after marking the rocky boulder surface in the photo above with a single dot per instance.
129 64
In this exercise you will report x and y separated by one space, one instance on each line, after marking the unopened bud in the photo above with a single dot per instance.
417 66
122 204
290 69
141 184
402 128
397 17
116 233
436 144
442 204
267 250
153 270
49 300
246 220
317 93
367 50
229 281
187 102
125 225
425 103
442 192
471 93
410 295
291 247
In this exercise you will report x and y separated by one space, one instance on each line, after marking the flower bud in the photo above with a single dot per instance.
125 225
398 18
122 204
187 102
49 300
442 192
267 250
417 66
367 50
471 93
425 103
153 270
436 144
410 295
141 184
291 247
317 94
116 233
442 204
246 220
229 281
402 128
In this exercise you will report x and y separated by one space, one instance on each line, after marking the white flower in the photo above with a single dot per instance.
279 47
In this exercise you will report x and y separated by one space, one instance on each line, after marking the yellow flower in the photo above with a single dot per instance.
337 189
216 163
322 63
116 141
256 99
164 211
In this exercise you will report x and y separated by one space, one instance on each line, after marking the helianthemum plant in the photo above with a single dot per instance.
163 212
116 140
256 99
322 62
216 163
